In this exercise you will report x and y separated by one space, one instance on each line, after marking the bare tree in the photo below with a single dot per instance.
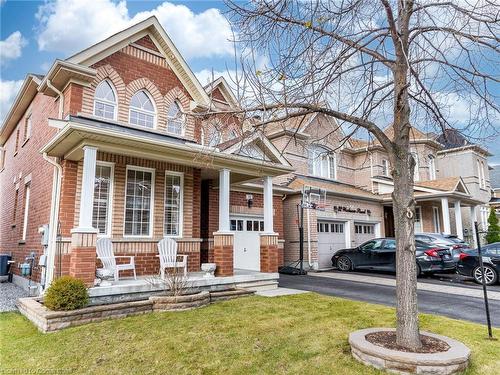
370 63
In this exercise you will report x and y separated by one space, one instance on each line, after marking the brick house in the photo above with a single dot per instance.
351 180
107 144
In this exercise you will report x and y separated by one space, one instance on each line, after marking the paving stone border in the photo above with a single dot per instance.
50 321
454 360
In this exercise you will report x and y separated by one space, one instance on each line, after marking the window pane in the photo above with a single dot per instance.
138 203
142 110
249 225
173 196
102 188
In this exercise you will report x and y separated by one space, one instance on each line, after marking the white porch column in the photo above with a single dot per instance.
87 195
458 220
446 216
268 205
224 191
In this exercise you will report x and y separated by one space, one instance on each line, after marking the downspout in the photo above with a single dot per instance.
56 195
54 218
61 98
308 241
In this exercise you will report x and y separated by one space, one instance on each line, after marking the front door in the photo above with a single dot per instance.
246 242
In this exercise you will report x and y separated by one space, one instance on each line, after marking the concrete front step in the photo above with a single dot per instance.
257 286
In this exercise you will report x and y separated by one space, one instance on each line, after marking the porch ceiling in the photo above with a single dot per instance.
130 141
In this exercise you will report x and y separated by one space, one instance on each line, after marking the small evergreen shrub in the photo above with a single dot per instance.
493 234
66 293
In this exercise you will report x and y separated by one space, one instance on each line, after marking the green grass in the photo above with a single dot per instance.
302 334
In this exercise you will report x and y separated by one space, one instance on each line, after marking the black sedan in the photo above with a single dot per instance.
380 254
468 263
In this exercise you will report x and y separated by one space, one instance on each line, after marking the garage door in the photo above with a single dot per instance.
331 238
246 242
363 232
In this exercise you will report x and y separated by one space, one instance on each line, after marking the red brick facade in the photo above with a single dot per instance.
129 69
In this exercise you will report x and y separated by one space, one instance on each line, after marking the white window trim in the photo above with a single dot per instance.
3 153
319 157
435 218
183 127
432 167
109 208
416 172
114 104
27 193
28 129
421 229
155 113
181 206
202 136
385 168
151 213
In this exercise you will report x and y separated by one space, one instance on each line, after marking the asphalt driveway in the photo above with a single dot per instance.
460 301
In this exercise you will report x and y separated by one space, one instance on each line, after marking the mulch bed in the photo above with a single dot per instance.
387 339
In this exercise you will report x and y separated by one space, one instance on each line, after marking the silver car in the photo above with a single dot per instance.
455 244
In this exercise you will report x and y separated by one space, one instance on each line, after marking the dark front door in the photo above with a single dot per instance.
389 221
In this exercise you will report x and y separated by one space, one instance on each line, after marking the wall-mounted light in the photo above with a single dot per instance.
249 200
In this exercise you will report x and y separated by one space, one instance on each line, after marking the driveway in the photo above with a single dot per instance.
450 298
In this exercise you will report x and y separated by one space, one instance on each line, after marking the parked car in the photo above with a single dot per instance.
380 254
468 263
451 241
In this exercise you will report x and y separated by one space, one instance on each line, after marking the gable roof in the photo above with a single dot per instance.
257 138
224 88
23 99
445 184
152 27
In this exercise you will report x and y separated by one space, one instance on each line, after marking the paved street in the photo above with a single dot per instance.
456 299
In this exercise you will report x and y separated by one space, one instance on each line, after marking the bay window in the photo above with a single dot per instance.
139 195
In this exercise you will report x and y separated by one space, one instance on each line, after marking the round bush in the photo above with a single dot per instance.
66 293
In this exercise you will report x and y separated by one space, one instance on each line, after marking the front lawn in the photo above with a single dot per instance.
304 334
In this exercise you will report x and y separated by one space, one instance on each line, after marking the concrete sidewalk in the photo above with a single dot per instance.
437 288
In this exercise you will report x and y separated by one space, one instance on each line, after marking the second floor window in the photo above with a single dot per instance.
416 173
481 174
27 127
432 167
214 136
142 110
105 101
385 167
175 119
322 163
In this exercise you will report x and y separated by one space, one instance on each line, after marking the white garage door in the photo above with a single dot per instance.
246 242
363 232
331 238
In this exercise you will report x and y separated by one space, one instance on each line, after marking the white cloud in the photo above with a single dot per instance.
8 92
71 25
11 48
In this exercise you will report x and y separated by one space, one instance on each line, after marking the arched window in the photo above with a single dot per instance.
322 163
175 119
432 167
214 136
142 110
105 101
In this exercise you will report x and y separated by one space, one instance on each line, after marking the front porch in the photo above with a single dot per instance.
128 289
136 189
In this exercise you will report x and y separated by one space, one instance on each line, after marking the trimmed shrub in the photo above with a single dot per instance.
66 293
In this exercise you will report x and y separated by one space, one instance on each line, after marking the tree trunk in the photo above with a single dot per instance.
407 329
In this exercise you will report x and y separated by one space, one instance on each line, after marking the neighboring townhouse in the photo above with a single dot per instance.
495 188
108 144
351 181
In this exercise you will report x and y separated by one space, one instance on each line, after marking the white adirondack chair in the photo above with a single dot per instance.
105 253
167 249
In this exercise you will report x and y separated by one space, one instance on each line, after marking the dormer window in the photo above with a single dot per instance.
432 167
322 163
175 119
105 101
142 110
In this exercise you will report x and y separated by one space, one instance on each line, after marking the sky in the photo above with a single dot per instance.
34 33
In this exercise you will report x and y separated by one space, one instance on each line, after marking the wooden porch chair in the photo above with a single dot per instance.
104 248
167 249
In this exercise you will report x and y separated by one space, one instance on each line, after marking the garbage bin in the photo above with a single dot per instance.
4 264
